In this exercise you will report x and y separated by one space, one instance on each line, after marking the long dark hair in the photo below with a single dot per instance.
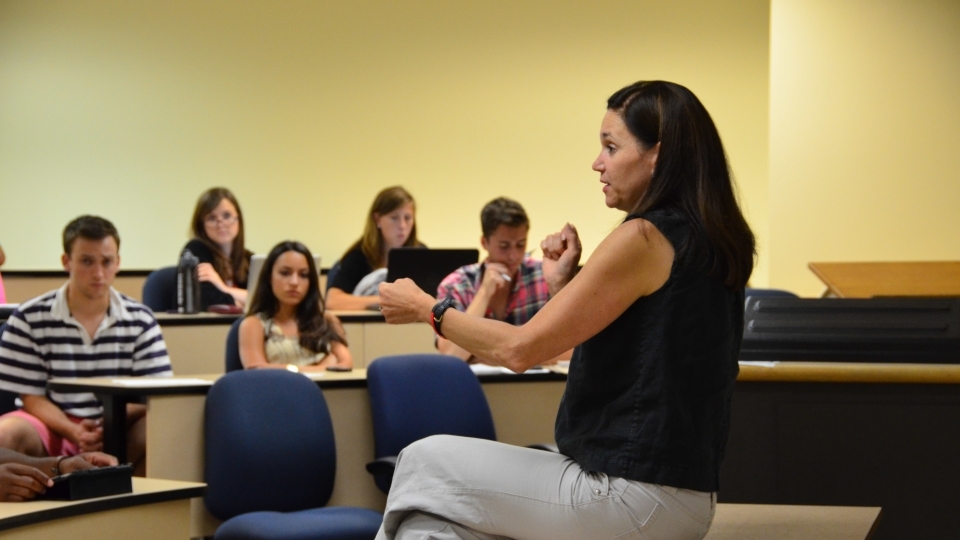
313 327
371 243
691 174
235 267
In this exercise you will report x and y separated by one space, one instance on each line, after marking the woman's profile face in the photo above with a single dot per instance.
625 167
290 278
395 227
222 225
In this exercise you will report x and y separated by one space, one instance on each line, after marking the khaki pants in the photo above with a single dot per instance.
454 487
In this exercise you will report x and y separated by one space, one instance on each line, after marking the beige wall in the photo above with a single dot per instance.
306 109
864 134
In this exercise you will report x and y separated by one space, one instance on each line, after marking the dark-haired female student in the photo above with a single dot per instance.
287 327
217 228
656 316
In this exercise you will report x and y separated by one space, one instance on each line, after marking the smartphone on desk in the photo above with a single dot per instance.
339 369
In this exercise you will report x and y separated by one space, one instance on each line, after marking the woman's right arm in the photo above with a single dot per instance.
252 352
633 261
338 300
353 267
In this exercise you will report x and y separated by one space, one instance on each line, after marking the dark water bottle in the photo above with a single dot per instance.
188 284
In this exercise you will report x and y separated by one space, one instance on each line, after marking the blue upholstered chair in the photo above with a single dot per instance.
7 398
332 273
418 395
768 292
270 461
160 289
232 350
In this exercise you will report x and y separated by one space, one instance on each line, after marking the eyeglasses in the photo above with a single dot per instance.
226 219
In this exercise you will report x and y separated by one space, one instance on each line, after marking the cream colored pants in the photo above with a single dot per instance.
449 487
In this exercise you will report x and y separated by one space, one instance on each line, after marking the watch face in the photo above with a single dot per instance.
440 308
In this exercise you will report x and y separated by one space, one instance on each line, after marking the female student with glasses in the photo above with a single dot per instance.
217 228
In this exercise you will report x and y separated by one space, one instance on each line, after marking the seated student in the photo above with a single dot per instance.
24 477
390 224
3 294
83 329
217 227
287 327
508 286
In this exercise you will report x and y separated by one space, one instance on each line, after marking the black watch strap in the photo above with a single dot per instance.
438 311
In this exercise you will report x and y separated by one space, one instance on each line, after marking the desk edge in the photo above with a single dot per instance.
100 504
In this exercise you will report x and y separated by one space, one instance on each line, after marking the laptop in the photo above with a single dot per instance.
256 266
427 267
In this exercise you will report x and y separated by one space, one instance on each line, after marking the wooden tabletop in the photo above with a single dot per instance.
145 491
212 319
869 279
839 372
782 522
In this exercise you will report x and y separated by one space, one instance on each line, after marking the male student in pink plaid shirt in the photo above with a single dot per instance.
507 286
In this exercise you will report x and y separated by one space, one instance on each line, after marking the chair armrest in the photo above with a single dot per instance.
382 465
543 446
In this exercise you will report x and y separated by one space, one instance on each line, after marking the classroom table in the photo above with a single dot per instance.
157 509
523 409
869 279
792 522
22 285
802 433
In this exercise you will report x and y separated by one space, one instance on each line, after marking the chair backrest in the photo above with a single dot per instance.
332 273
7 398
768 293
268 444
418 395
232 350
878 330
160 289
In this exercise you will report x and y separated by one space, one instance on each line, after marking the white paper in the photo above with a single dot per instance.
484 369
154 382
758 363
313 375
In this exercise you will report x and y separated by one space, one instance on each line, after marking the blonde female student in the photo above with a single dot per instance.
391 223
287 327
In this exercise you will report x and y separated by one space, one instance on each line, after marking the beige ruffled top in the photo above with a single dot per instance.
281 349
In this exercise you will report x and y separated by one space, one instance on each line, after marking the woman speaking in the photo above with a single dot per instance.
656 316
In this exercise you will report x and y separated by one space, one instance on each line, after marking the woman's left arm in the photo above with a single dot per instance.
341 354
632 261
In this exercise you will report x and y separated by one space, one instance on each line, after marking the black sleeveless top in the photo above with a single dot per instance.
648 398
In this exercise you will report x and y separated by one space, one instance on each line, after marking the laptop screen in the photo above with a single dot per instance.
427 267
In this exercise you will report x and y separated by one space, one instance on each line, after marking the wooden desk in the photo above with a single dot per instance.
802 433
22 285
157 509
524 408
783 522
197 343
813 433
869 279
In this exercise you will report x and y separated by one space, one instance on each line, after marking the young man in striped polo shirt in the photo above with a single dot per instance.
84 329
